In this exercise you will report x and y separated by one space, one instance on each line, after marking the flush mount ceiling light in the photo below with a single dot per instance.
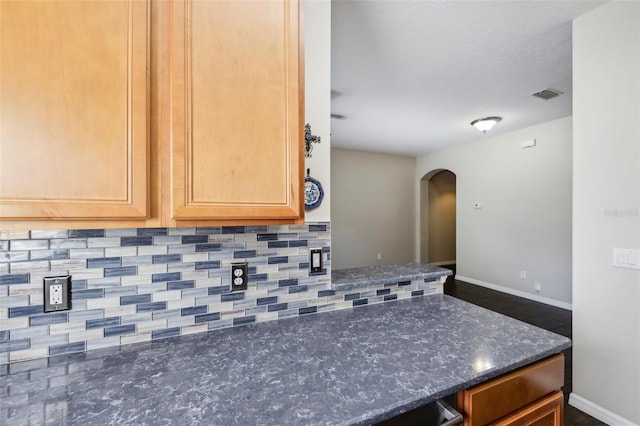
484 124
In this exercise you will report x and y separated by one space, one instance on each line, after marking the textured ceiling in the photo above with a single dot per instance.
409 76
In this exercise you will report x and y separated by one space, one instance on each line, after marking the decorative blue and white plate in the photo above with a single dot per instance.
313 193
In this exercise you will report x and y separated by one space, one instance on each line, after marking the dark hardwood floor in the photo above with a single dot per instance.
539 314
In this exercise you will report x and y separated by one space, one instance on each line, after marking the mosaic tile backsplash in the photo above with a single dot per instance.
134 285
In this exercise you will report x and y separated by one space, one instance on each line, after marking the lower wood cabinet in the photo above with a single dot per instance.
548 411
529 396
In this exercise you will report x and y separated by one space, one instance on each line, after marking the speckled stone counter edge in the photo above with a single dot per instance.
352 278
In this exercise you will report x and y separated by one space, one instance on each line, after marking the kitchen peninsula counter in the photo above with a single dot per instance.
353 278
347 367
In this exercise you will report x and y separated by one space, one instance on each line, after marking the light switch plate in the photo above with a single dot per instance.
57 293
626 258
315 260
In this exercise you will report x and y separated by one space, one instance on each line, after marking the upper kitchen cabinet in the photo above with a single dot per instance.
74 110
236 106
138 113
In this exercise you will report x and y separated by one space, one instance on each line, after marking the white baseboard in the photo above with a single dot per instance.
541 299
443 262
594 410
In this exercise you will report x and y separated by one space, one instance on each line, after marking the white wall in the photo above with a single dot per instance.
606 212
373 208
525 220
316 18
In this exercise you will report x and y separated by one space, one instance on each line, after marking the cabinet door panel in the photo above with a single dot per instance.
236 99
73 109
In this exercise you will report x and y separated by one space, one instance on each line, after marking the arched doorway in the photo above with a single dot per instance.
438 218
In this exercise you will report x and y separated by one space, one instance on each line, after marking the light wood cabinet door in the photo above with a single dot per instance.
73 109
236 111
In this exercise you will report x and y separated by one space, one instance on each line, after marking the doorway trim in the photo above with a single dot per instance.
426 221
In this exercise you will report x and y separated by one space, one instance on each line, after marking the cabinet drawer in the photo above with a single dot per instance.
499 397
546 412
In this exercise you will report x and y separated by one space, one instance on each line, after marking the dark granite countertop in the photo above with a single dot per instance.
346 367
348 279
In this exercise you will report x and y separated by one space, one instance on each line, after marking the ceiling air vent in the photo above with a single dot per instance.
547 94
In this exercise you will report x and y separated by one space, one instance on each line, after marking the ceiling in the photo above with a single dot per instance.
410 76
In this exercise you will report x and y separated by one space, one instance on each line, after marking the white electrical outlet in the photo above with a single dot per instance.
523 275
538 287
55 294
